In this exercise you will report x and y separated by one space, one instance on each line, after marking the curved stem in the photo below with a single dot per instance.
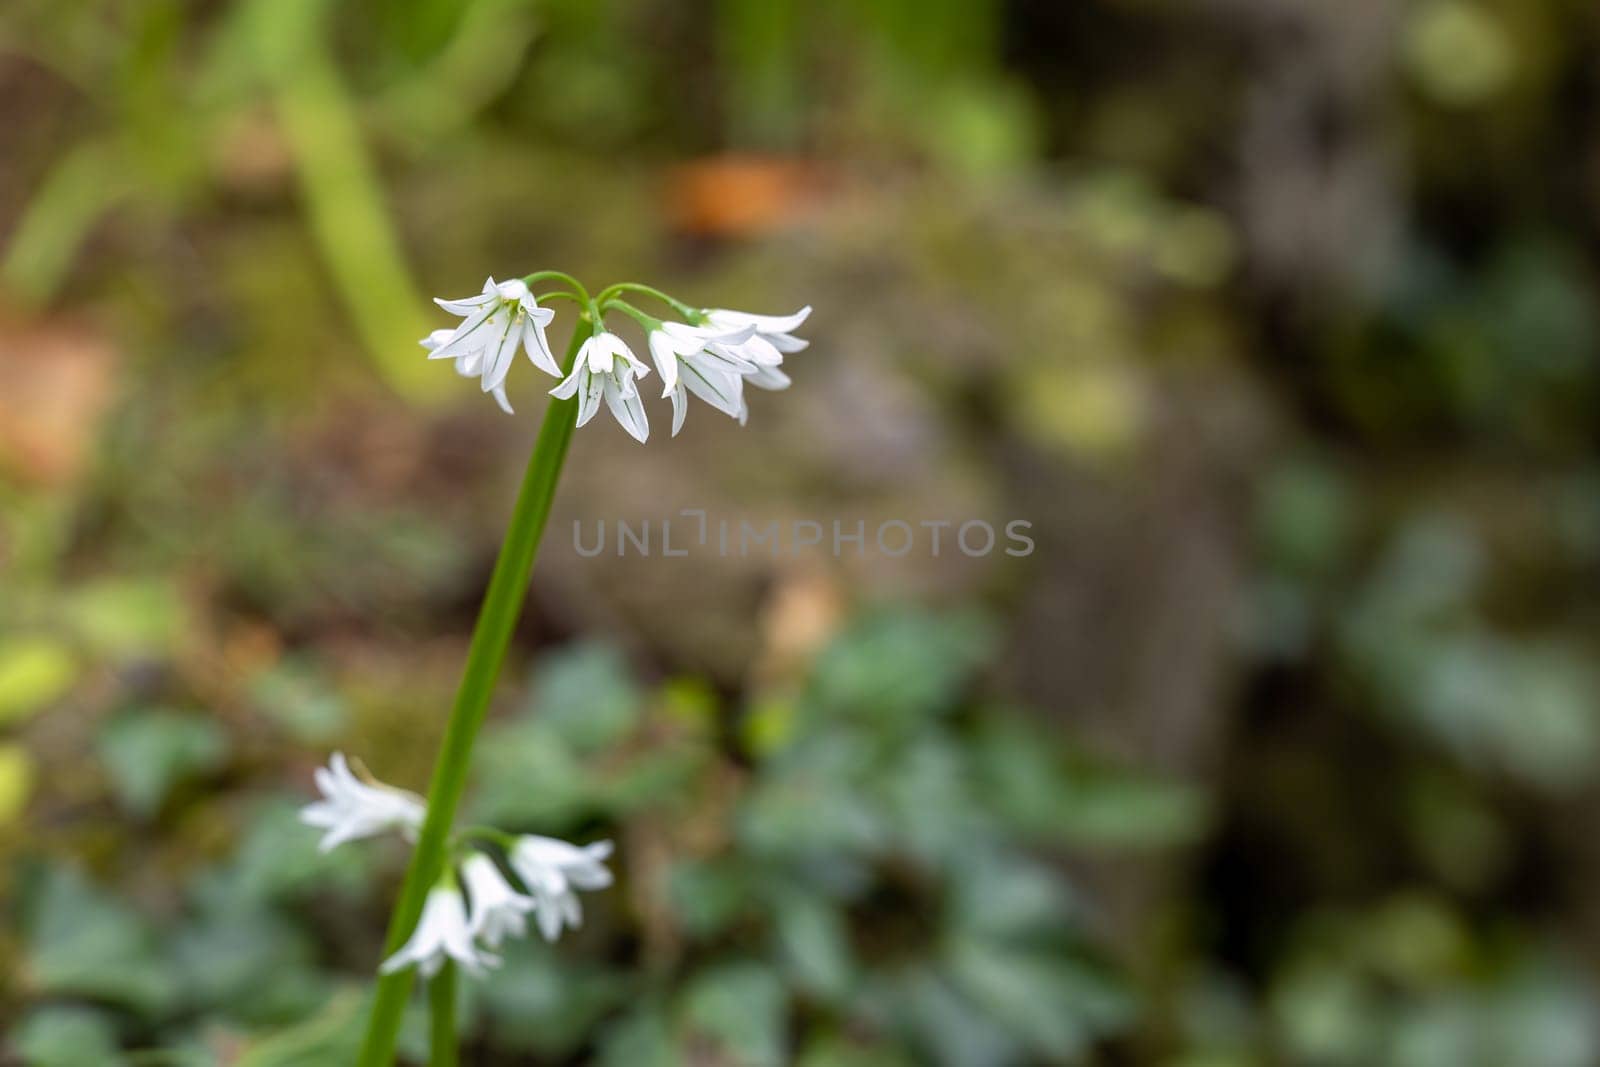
557 275
647 322
634 287
561 295
486 833
502 605
442 1044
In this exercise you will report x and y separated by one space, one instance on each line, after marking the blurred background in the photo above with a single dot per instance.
1277 320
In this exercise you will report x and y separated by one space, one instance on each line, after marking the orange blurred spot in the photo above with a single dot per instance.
740 196
55 381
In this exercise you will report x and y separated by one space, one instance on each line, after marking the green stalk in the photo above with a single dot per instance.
502 605
442 1050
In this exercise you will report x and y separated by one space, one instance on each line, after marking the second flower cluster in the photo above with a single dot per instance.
474 906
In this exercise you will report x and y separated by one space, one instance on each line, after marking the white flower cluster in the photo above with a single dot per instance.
467 915
712 356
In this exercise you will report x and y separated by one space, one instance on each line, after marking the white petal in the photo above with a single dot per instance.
596 351
467 306
436 339
476 332
538 346
721 391
593 387
769 378
497 364
620 349
515 291
788 343
723 360
665 356
680 409
761 352
569 385
625 404
762 323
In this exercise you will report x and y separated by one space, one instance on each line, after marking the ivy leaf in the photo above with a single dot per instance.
84 943
67 1037
148 753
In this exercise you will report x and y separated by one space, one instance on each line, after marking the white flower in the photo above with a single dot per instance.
441 933
552 870
498 910
468 365
773 339
705 361
607 367
503 318
351 808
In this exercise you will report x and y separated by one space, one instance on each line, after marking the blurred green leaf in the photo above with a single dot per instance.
736 1011
586 695
277 857
1037 788
251 965
814 945
147 753
707 895
898 666
1056 1004
17 773
83 942
1458 51
67 1037
331 1038
537 1002
293 694
121 617
947 1028
642 1038
34 672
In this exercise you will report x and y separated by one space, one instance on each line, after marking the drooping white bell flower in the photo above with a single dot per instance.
442 933
497 910
494 324
705 361
553 870
776 330
468 365
352 808
772 340
606 367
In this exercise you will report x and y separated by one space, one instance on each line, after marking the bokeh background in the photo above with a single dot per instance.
1276 318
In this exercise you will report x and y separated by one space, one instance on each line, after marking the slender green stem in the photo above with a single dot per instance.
442 1047
557 275
486 833
648 322
502 605
634 287
562 295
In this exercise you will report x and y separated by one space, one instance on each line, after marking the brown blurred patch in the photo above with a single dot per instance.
55 381
251 157
804 611
740 196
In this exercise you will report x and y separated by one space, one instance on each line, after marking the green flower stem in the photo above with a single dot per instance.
502 605
556 275
634 287
442 1049
561 294
646 322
